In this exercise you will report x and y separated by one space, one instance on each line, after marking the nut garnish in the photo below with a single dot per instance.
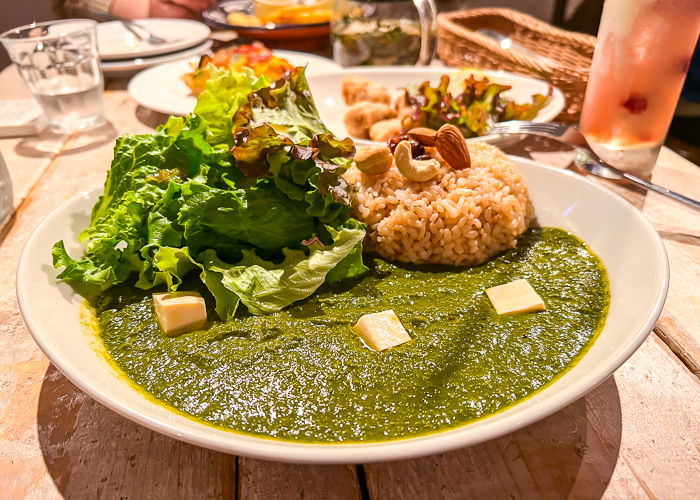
414 170
423 135
373 160
451 146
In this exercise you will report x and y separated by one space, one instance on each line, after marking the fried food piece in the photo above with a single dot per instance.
403 111
356 89
386 129
362 115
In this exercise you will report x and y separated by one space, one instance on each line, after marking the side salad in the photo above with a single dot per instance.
255 56
246 191
470 104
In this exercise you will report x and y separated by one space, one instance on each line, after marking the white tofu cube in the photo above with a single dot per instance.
381 330
515 297
180 312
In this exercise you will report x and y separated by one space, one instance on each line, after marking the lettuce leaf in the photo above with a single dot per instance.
287 106
266 287
225 91
229 195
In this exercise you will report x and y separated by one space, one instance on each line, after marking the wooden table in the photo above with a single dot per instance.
635 436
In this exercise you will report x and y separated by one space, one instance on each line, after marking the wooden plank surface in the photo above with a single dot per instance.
55 440
629 438
636 436
679 227
27 158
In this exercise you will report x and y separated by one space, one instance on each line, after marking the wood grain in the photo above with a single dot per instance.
55 440
680 230
260 480
587 450
681 342
90 451
27 158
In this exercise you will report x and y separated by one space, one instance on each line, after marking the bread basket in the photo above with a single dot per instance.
569 53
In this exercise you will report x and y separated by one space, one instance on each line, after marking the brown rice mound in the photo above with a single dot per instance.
461 217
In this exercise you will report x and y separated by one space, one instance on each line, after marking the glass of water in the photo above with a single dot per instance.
60 63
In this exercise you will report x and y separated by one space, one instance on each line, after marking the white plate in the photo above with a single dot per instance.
128 67
326 90
623 238
114 41
161 88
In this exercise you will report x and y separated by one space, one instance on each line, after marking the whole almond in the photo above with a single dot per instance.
450 144
423 135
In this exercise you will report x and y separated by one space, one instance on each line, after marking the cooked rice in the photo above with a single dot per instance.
461 217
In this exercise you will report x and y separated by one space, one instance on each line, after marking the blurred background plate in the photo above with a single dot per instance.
312 37
327 93
115 41
128 67
162 89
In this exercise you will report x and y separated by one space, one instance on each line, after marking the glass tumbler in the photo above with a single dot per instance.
383 32
641 58
59 62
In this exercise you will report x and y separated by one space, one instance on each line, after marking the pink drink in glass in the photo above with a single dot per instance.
640 62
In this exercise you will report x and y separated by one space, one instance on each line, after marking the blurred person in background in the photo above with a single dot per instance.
133 9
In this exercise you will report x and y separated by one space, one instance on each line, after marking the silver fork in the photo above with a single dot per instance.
584 157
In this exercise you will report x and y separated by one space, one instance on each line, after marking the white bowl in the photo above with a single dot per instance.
621 236
326 89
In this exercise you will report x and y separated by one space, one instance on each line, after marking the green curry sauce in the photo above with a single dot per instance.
304 375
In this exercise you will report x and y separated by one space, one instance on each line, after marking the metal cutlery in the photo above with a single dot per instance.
584 157
148 37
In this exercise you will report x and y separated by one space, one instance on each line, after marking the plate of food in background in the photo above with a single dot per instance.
376 104
172 88
123 68
116 41
305 26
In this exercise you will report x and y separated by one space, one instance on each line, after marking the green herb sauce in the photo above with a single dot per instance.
304 375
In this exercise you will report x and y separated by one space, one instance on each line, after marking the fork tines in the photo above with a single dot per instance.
516 126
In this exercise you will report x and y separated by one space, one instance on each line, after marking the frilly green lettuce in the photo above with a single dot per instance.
246 192
473 110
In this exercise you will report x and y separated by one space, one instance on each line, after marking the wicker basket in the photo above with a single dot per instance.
460 45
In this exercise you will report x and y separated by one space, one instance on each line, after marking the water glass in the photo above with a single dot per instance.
60 63
641 58
383 32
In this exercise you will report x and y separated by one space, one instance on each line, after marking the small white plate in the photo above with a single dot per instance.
622 237
128 67
326 90
115 41
162 89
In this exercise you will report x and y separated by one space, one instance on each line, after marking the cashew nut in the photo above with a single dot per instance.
414 170
373 161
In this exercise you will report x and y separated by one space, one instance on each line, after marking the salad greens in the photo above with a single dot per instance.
246 191
473 110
